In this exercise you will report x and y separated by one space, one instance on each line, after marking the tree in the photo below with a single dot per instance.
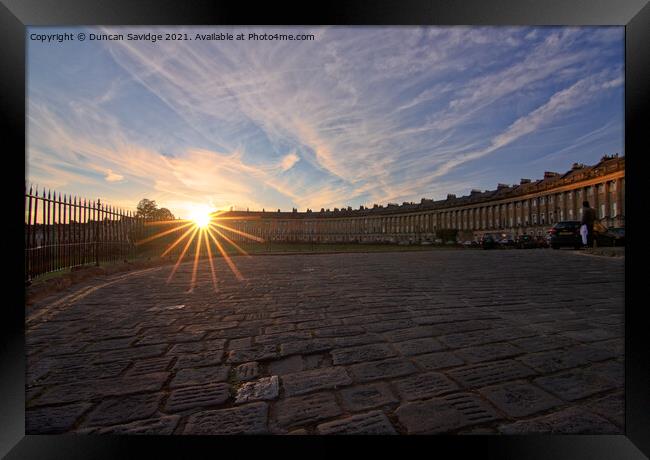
163 214
148 209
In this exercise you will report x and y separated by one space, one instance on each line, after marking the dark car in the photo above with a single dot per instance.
614 236
506 241
619 235
525 242
566 233
541 242
488 241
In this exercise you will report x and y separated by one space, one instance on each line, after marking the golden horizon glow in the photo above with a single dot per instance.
201 228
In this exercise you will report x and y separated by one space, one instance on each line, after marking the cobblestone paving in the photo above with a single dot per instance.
467 341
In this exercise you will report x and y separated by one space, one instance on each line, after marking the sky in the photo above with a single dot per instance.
357 116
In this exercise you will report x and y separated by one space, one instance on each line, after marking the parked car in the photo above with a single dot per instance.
619 235
567 233
506 241
525 242
609 236
467 244
488 241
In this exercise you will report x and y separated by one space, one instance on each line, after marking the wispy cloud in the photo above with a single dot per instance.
289 160
558 104
359 115
113 177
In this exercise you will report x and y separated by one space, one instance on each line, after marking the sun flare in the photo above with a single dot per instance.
201 216
203 228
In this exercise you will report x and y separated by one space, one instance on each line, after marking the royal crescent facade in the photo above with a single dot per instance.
531 207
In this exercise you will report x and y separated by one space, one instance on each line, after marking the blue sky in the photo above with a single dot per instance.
360 115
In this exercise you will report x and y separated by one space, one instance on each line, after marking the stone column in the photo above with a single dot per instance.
606 202
618 198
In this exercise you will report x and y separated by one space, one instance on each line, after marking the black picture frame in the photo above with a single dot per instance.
15 15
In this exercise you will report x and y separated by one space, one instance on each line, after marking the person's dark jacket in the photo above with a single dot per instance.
588 217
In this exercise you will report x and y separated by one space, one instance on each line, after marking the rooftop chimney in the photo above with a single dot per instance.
524 181
549 174
475 191
451 196
500 186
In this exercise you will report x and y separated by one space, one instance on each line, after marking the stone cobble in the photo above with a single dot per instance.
367 396
378 343
265 388
197 397
246 419
313 380
305 410
374 422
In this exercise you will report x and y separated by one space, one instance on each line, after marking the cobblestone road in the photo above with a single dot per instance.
467 341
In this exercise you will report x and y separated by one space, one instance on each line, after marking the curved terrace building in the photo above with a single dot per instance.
528 207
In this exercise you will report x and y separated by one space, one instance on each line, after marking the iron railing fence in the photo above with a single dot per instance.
64 231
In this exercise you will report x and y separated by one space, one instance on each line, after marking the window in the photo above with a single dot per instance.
602 211
612 186
614 213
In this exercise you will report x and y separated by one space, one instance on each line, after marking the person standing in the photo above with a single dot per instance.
588 219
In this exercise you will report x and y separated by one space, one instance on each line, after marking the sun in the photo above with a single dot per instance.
201 216
207 228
